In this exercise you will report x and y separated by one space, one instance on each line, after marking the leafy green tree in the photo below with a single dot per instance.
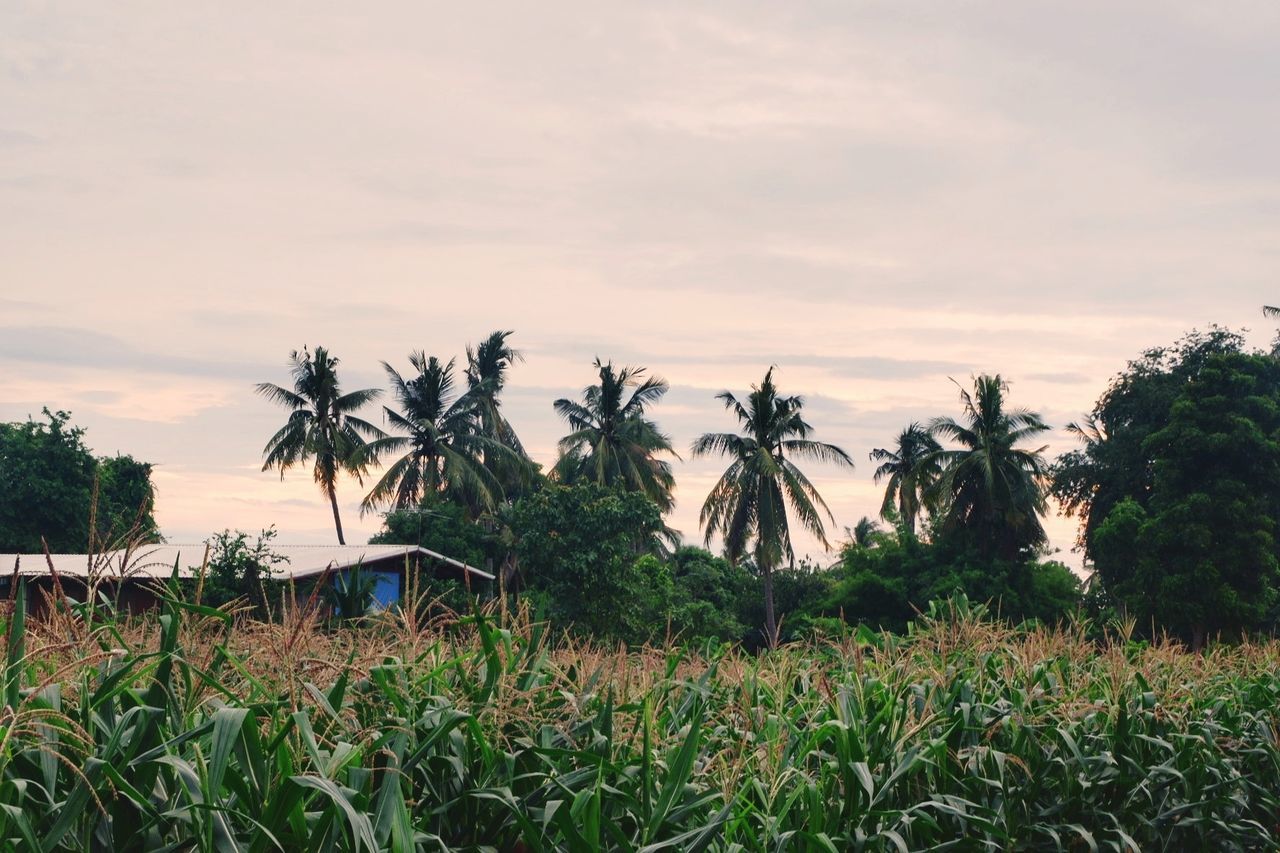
322 425
991 490
238 569
611 443
442 444
1114 463
748 506
910 471
126 501
47 488
1200 557
709 596
579 547
440 525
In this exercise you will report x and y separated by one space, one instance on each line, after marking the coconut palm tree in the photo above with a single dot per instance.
911 468
748 506
865 533
989 485
612 443
322 425
440 440
487 367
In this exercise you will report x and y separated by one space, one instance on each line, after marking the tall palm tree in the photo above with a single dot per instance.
612 443
487 367
748 506
321 425
911 469
441 441
989 485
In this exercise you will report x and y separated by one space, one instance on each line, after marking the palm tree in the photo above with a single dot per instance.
911 469
748 506
989 485
321 424
864 534
611 442
487 367
441 441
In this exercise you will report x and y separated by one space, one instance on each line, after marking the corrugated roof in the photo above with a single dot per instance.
157 561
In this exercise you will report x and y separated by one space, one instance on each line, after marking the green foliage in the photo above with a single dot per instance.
885 586
442 441
322 426
1113 464
753 503
578 547
990 490
47 489
1203 551
442 526
351 593
910 471
238 568
960 731
1178 487
611 442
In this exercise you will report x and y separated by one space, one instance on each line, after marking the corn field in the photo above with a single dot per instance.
191 729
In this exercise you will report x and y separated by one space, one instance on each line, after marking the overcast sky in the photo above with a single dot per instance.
873 196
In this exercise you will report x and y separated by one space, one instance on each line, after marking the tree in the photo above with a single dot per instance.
1115 463
52 486
442 444
866 533
322 425
579 546
487 367
239 570
439 525
612 443
748 505
910 469
1201 552
993 490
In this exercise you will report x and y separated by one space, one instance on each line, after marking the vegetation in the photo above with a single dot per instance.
1178 489
910 471
444 443
52 486
191 730
748 506
237 568
989 489
322 425
611 442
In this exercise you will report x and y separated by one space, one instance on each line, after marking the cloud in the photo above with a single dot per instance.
77 347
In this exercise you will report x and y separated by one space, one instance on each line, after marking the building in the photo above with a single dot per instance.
133 577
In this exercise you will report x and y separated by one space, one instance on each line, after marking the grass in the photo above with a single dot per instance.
192 730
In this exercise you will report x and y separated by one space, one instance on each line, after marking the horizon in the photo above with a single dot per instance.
875 199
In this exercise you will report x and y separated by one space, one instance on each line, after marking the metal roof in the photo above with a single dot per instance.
157 561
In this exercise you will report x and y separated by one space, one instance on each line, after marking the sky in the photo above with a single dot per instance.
876 197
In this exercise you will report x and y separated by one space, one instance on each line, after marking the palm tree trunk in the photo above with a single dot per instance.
770 619
337 519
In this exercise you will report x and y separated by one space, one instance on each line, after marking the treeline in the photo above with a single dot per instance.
1176 484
